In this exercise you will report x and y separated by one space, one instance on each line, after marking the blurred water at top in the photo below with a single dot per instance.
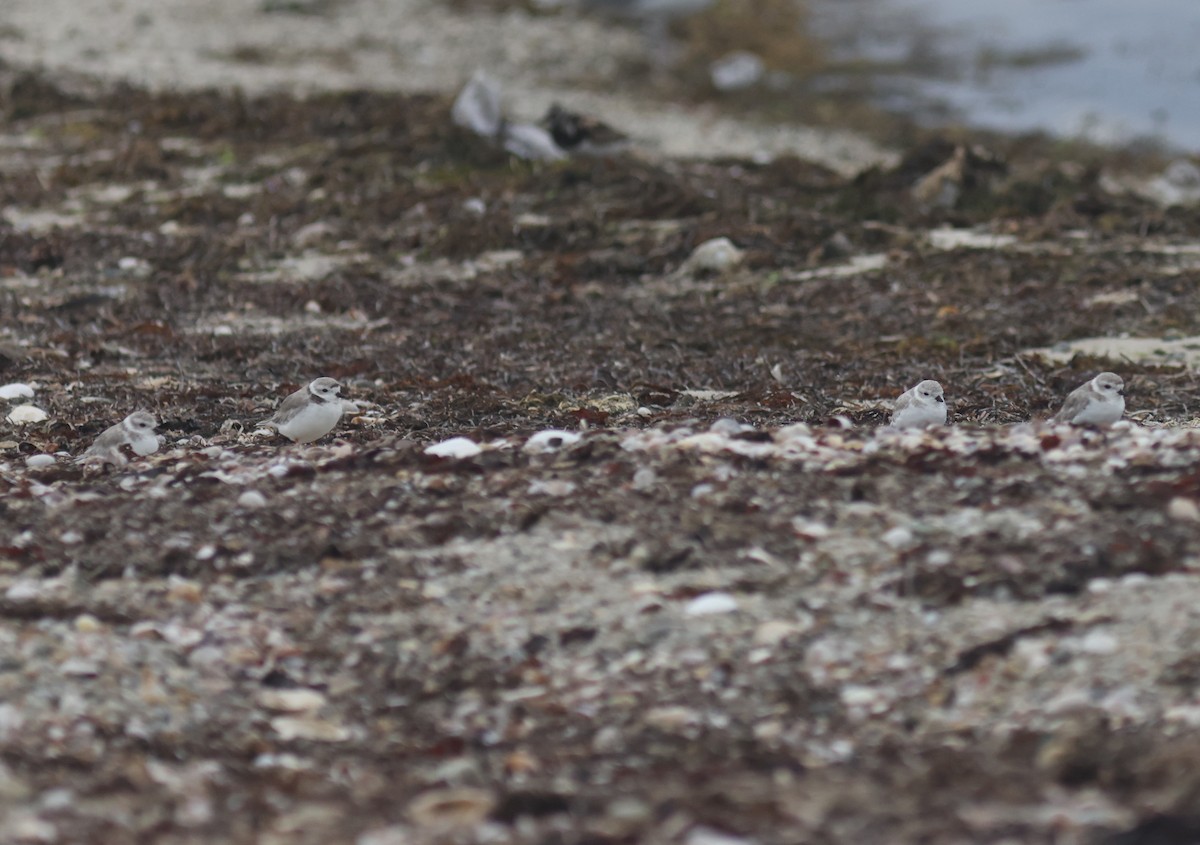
1111 71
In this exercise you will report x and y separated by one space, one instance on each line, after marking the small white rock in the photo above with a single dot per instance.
714 256
736 71
36 461
23 414
1099 642
711 604
1183 509
16 390
898 537
251 499
644 478
455 447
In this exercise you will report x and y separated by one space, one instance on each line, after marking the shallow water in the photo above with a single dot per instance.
1112 71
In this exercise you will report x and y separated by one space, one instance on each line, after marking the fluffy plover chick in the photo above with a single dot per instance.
920 407
135 431
1099 402
310 413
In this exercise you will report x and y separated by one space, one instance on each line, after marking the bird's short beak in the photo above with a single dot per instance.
1120 392
941 398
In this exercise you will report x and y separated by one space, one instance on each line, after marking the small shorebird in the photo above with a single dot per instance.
135 431
1099 402
920 407
310 413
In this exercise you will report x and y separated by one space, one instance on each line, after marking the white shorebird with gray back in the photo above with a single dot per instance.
1099 402
135 431
310 413
920 407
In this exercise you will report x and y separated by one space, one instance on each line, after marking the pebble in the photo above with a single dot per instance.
85 623
37 461
644 478
252 499
1183 509
629 809
736 71
1099 642
714 256
898 537
711 604
16 390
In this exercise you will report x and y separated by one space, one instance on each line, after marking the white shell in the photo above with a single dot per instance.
455 447
716 256
23 414
711 604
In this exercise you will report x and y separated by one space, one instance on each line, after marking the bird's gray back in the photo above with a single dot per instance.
290 406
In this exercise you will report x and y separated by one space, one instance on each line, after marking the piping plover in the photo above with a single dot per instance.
310 413
920 407
135 431
1099 402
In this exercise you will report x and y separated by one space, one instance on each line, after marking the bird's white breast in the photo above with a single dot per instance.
1102 412
313 421
920 416
143 442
